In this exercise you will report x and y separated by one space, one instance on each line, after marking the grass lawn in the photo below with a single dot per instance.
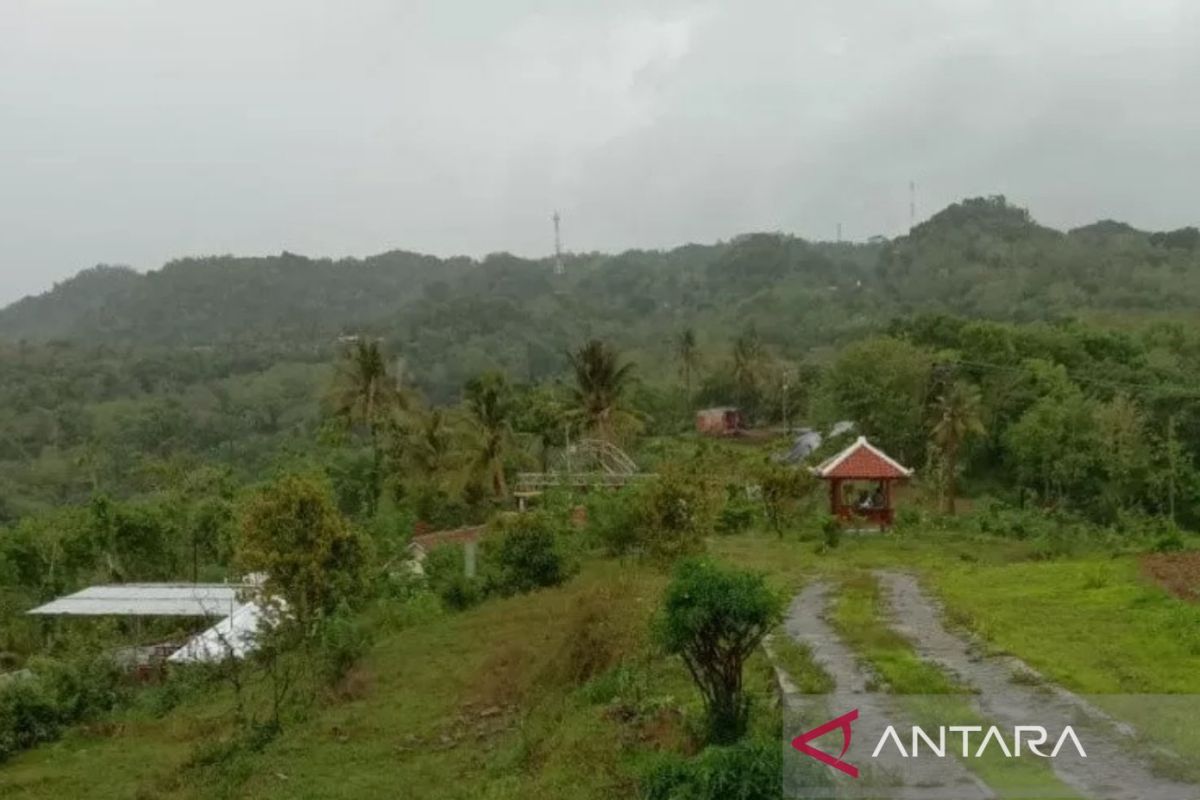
1095 625
1092 623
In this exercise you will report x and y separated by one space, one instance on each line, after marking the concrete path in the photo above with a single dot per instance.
922 779
1110 772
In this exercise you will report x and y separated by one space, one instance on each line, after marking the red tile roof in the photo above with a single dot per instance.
861 461
428 541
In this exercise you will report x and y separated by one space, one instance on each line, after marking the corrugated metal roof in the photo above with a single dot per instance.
148 600
235 636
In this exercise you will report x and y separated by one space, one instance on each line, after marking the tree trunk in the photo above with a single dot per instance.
951 464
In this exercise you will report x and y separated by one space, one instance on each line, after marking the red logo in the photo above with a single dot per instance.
801 743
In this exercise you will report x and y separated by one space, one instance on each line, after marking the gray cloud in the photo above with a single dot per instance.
133 131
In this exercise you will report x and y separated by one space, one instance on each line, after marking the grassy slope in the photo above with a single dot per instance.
501 682
480 704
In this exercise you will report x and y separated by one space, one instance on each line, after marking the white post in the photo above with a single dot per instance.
469 559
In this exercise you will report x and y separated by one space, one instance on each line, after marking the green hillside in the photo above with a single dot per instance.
306 419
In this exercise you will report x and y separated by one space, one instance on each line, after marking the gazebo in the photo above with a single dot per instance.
862 462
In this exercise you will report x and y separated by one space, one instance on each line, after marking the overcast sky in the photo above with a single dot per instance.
135 131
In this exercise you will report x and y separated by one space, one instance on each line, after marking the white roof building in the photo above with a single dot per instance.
232 637
241 617
148 600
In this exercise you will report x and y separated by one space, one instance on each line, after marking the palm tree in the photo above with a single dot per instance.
365 396
430 444
601 381
749 359
489 409
958 411
689 357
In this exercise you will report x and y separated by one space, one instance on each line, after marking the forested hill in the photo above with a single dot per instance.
453 317
979 257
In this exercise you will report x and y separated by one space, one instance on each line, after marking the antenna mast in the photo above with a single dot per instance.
558 262
912 204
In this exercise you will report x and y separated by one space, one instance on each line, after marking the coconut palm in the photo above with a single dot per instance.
364 397
489 412
958 410
749 364
601 381
688 356
430 444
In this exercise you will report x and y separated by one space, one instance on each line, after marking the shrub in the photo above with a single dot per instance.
831 531
28 716
782 488
445 574
611 524
1170 541
909 518
343 641
714 618
525 552
744 771
437 507
36 706
738 513
673 514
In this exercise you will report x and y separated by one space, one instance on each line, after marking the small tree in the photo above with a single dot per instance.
674 514
714 618
292 531
525 553
782 488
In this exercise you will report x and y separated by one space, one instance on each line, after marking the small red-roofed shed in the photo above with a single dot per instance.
862 462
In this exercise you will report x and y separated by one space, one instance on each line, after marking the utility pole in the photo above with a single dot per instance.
558 262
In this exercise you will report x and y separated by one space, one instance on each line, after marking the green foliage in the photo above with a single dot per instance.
882 384
743 771
738 513
292 531
611 523
957 413
783 488
524 552
520 553
673 514
714 618
489 405
831 531
35 705
601 382
344 639
445 571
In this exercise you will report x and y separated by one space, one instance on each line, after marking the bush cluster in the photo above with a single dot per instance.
521 553
743 770
35 705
